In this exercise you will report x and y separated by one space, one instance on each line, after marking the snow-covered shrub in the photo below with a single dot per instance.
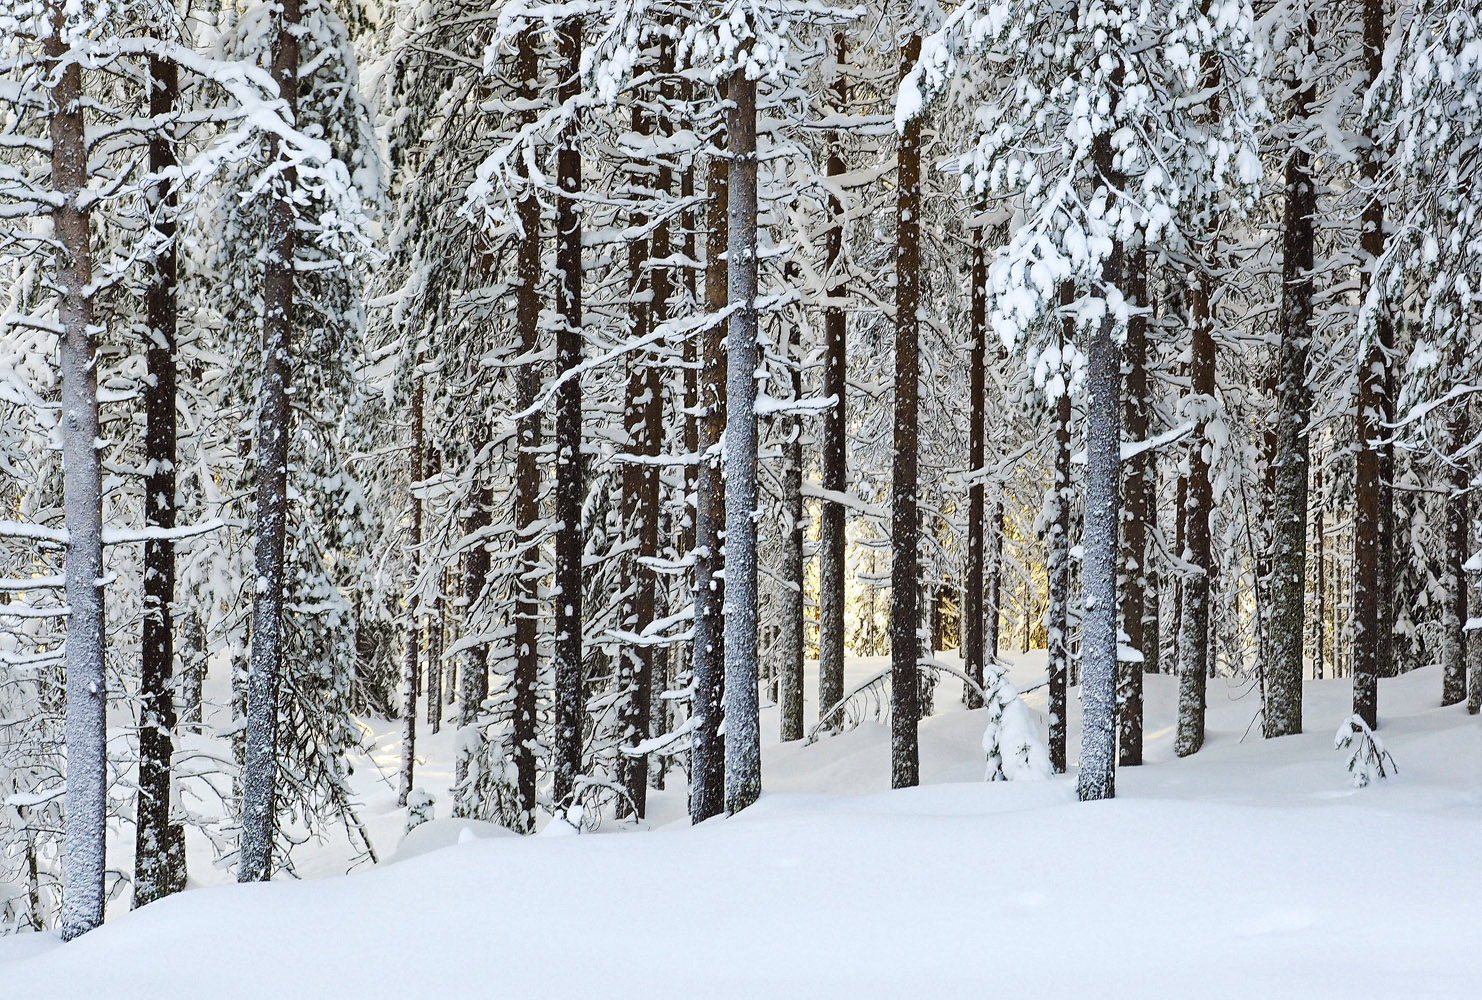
1011 741
1366 758
419 807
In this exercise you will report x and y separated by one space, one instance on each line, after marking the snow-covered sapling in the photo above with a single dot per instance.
1366 759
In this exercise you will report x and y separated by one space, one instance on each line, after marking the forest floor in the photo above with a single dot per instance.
1252 869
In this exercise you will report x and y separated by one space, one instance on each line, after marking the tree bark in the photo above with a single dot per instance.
1057 553
834 459
413 605
1458 532
904 525
743 739
973 632
154 875
707 766
87 693
1282 715
1193 644
790 610
569 697
260 771
1133 577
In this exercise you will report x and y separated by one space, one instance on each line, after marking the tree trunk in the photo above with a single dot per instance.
414 606
904 527
707 766
260 771
1098 570
527 471
834 459
569 697
1372 647
743 743
1193 642
1458 531
1057 552
973 651
790 611
1282 713
154 836
87 695
1133 577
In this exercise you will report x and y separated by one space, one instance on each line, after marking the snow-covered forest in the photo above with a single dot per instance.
429 422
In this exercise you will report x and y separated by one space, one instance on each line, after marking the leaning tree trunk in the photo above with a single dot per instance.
1133 577
1193 640
707 765
834 458
158 846
260 769
1057 553
87 804
1098 574
743 753
973 650
1282 714
904 527
570 703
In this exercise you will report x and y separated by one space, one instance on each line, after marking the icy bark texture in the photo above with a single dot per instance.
1099 576
87 805
1282 715
743 737
260 768
905 528
707 765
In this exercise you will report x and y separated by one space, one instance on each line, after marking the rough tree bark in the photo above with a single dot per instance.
834 458
790 609
743 740
1134 554
973 633
570 702
1057 554
1282 715
87 694
1458 531
414 606
159 847
905 528
260 769
707 765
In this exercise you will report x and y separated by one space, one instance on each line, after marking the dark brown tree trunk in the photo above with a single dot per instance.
904 527
707 767
260 771
1133 578
1458 532
1193 644
414 609
569 697
1057 553
790 612
973 633
155 838
834 458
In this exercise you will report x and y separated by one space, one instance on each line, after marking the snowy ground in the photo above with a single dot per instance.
1249 870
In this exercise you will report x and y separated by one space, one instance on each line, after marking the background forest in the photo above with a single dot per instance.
414 360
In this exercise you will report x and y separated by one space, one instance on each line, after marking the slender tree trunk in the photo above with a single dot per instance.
194 672
993 602
1098 573
154 835
834 460
1282 714
435 661
260 770
904 526
707 767
1057 554
1458 531
1320 602
790 611
569 697
1133 578
1193 644
743 742
527 473
1372 645
414 605
973 650
87 694
473 678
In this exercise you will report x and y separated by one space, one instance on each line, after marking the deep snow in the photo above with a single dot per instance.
1250 870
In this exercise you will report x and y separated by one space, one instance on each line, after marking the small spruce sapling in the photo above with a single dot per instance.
1366 758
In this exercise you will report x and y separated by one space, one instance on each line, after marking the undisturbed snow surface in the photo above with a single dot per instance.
1249 870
